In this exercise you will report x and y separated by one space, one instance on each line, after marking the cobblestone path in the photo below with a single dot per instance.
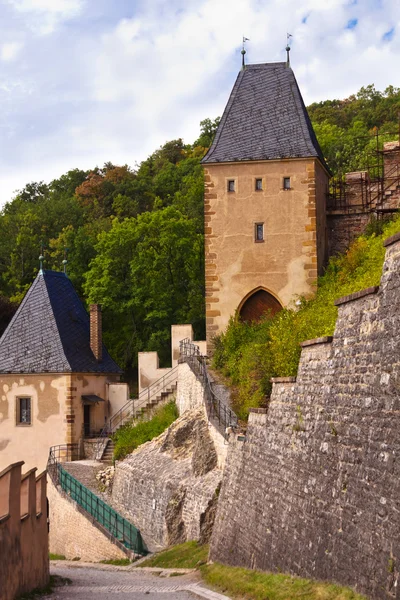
107 582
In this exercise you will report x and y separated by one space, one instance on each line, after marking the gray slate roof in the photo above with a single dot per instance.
50 332
265 119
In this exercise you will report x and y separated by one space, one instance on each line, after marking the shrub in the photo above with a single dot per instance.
133 434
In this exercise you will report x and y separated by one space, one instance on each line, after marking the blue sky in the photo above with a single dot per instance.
83 82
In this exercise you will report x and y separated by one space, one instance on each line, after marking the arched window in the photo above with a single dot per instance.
259 303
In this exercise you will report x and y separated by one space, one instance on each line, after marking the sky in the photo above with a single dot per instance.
84 82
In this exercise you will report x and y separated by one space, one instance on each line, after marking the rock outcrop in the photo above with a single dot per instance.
169 486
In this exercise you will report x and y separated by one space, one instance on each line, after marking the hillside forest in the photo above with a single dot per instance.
133 236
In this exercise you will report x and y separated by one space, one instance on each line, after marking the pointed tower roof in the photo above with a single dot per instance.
50 332
265 119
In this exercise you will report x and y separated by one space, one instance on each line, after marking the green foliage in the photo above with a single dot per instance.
246 584
158 210
189 555
148 274
131 435
346 129
117 562
250 354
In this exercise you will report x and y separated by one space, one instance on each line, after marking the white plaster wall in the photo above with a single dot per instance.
118 396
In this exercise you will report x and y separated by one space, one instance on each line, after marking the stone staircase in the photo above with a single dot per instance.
164 395
108 454
140 409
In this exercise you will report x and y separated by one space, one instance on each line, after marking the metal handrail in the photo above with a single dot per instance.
134 407
191 354
121 529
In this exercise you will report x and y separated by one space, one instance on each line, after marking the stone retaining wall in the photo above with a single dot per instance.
314 488
74 534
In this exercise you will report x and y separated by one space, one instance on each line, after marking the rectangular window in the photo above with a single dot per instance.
259 185
24 411
259 232
286 183
231 185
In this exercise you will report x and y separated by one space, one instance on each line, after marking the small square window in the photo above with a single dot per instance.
259 232
286 183
231 185
259 185
24 416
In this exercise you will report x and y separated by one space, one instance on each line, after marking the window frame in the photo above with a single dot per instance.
256 226
19 411
256 181
228 185
284 187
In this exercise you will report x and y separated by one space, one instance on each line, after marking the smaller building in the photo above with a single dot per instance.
58 384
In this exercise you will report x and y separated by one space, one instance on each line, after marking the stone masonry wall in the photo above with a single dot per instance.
343 229
314 489
74 535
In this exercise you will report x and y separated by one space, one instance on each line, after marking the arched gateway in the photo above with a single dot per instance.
259 303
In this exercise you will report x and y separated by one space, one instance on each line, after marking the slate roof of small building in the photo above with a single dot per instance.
265 119
50 332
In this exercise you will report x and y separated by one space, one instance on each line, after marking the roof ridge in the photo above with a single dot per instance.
225 114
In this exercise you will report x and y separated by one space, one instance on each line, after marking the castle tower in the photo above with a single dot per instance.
265 186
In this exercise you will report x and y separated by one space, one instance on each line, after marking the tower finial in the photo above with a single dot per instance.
65 261
41 257
245 39
288 36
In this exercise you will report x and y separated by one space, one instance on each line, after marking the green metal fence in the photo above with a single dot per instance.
120 528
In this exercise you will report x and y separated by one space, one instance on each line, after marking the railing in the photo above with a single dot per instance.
120 528
225 416
134 408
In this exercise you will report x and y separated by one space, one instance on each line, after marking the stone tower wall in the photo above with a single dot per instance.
287 261
314 489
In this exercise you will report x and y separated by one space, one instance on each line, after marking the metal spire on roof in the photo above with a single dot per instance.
245 39
65 261
41 257
288 36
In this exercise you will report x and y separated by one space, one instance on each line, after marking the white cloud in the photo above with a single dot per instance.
45 15
10 50
117 84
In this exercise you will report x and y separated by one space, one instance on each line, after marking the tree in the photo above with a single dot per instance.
148 275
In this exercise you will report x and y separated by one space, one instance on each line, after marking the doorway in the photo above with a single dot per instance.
86 419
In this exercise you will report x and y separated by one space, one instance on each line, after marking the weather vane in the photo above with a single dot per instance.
245 39
41 257
288 42
65 261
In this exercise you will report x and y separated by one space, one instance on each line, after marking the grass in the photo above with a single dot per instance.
184 556
56 556
118 562
130 436
245 584
256 585
248 355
